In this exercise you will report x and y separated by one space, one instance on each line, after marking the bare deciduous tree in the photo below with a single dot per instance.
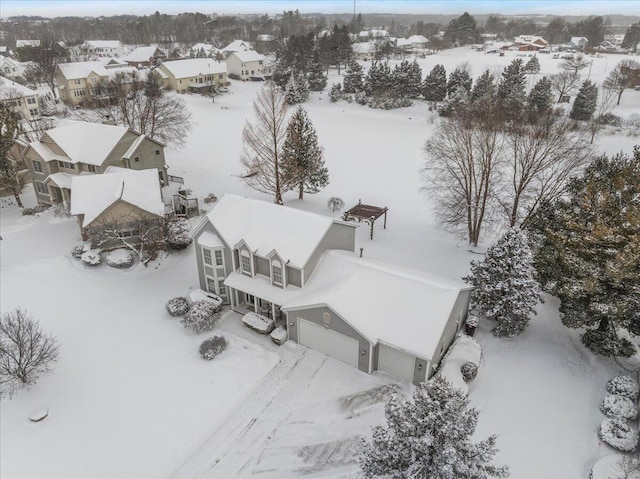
542 157
263 141
26 353
462 172
575 64
620 78
563 84
606 104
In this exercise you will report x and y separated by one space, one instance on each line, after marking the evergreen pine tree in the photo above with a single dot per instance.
281 73
414 82
303 87
589 253
484 88
291 90
335 93
585 103
533 65
302 157
460 77
378 80
430 437
435 84
505 286
400 80
540 99
353 78
511 90
317 79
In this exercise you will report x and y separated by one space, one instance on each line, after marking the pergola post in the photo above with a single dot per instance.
372 220
385 217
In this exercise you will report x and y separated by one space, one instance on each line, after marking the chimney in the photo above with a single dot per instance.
107 120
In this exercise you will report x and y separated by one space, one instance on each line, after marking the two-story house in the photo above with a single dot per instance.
248 65
103 48
81 148
144 57
236 46
300 269
20 99
80 83
194 74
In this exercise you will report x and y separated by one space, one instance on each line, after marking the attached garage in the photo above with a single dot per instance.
329 342
395 362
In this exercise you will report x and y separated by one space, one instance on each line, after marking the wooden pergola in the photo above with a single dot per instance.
368 213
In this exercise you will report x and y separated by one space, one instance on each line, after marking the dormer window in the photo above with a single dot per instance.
276 272
245 262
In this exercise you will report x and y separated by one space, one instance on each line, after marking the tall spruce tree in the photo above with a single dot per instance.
316 78
297 88
533 65
484 87
588 253
353 78
400 79
459 78
585 103
378 80
302 157
512 90
414 82
430 437
632 37
505 286
540 99
435 84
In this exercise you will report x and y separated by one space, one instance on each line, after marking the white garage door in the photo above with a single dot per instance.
328 342
396 363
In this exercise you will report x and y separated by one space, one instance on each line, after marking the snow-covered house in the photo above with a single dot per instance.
236 46
364 51
121 199
144 57
300 269
373 34
80 82
194 74
579 43
27 43
80 148
203 50
529 43
103 48
248 65
20 99
5 51
112 62
418 42
12 68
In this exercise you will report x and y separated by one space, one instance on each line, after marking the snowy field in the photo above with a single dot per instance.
130 396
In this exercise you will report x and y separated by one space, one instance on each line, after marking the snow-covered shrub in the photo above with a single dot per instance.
213 346
624 386
335 203
385 102
335 93
202 317
178 234
361 98
633 121
77 251
469 371
178 306
28 211
616 406
202 295
618 434
120 258
91 257
210 198
233 76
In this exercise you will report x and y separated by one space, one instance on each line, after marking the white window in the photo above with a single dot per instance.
33 112
245 262
218 255
37 166
31 101
91 168
276 272
207 256
222 288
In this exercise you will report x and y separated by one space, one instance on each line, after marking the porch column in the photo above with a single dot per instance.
273 311
232 293
255 304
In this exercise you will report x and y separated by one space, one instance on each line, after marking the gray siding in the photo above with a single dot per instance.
208 227
339 236
262 266
294 276
338 324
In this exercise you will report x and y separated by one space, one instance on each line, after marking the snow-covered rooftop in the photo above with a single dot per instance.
63 180
417 39
261 287
365 47
11 89
249 56
192 67
45 153
27 43
237 46
406 309
72 71
103 43
93 194
206 47
86 142
140 54
292 233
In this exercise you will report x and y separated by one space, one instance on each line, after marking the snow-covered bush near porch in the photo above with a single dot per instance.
616 406
202 295
279 335
618 434
120 258
178 234
91 257
625 386
469 371
77 251
178 306
463 350
202 317
213 346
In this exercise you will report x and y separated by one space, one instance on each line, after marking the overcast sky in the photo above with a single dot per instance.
53 8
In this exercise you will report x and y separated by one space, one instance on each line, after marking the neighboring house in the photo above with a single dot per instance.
194 74
22 100
5 51
418 42
203 50
579 43
614 39
80 83
81 148
364 51
110 63
145 57
248 65
12 68
103 48
299 268
120 200
529 43
236 46
373 34
27 43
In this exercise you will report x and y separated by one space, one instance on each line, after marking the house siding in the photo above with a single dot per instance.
262 266
338 324
338 236
294 276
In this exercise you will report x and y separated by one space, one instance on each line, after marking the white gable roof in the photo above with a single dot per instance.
103 44
86 142
11 89
405 309
249 56
265 227
206 47
192 67
237 46
417 39
71 71
140 54
93 194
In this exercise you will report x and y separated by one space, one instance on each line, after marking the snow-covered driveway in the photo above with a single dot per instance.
303 419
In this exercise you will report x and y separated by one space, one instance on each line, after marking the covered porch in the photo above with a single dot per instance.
59 187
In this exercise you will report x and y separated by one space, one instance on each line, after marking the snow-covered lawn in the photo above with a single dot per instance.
130 396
